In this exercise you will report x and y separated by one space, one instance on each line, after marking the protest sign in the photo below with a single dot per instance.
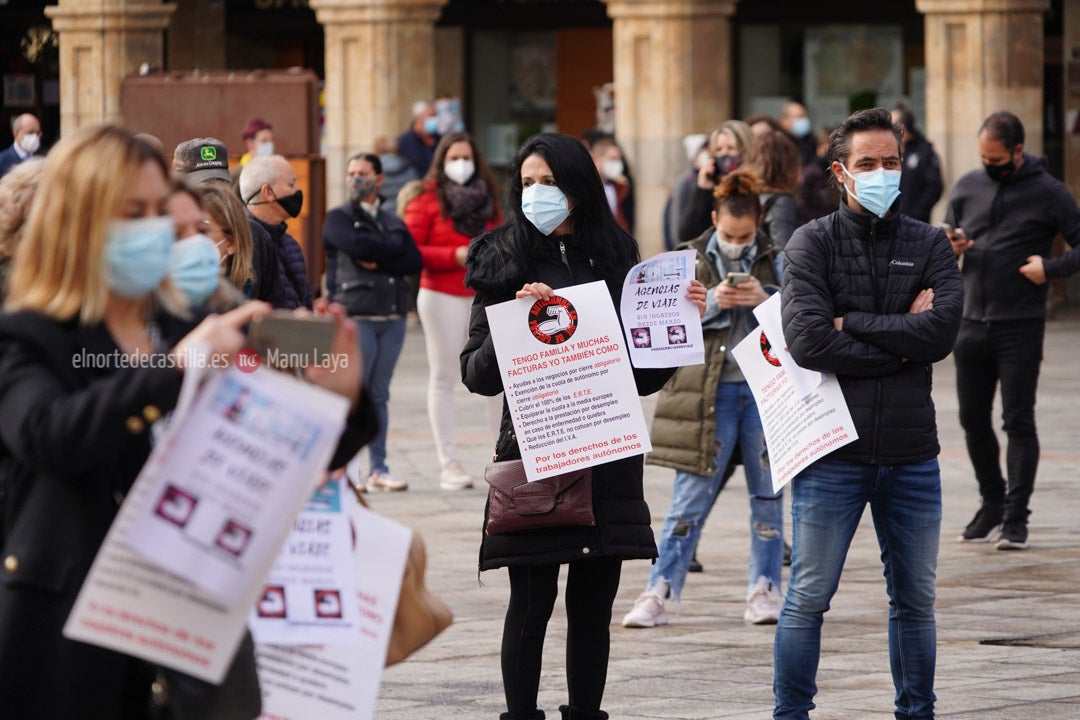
662 326
138 603
341 681
232 473
568 380
799 427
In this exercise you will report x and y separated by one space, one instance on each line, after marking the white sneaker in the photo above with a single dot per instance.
454 477
385 481
648 610
763 603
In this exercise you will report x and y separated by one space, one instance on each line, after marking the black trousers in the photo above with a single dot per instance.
1007 353
591 586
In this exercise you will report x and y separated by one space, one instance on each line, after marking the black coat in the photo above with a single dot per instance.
292 269
868 271
350 236
1009 221
74 438
623 522
920 182
267 285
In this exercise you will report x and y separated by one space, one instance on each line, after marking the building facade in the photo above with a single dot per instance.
675 67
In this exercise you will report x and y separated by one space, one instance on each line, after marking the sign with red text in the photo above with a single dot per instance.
800 426
568 380
663 326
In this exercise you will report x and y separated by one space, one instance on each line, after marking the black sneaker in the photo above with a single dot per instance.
695 566
787 554
1013 536
985 526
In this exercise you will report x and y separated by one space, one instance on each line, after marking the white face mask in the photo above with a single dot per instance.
460 170
732 251
611 169
30 142
265 149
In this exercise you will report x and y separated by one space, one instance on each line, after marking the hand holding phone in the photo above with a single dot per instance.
284 338
737 278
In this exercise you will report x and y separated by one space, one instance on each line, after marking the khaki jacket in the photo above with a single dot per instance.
684 426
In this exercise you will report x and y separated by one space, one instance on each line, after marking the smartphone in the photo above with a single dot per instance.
303 339
735 278
946 227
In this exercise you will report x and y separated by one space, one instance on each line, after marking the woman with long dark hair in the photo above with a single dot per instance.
559 232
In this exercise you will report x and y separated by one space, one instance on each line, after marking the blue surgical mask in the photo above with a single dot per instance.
544 206
800 126
431 125
876 190
265 149
194 264
137 254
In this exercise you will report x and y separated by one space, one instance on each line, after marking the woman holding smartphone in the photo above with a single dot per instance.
741 267
90 276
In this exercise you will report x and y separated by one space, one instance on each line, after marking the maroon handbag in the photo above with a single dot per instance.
515 504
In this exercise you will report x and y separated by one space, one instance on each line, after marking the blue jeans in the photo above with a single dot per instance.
828 499
380 346
737 423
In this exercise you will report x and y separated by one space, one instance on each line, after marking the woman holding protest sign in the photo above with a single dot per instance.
559 232
741 266
93 349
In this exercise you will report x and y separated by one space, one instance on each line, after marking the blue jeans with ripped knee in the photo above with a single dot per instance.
738 423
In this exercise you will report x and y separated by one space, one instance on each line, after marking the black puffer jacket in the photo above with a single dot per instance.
868 271
623 522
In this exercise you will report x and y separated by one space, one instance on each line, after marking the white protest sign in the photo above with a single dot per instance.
134 606
799 429
306 600
663 327
568 380
341 682
235 470
770 321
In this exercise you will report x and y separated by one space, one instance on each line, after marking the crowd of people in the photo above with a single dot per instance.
105 243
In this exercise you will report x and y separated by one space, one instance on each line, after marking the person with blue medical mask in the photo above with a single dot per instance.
94 347
559 232
195 266
417 143
873 297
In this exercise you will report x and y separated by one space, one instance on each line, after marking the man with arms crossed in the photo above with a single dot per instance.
873 297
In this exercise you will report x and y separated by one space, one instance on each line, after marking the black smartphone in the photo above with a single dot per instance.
303 339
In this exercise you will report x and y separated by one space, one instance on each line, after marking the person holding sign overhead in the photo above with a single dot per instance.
94 346
741 266
559 232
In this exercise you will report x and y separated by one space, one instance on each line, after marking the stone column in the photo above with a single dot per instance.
673 77
981 56
101 41
380 59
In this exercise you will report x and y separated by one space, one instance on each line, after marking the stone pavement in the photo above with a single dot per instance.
1008 623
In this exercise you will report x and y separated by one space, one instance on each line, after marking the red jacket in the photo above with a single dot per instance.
438 242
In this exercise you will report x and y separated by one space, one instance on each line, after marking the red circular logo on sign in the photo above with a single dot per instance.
553 321
766 351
